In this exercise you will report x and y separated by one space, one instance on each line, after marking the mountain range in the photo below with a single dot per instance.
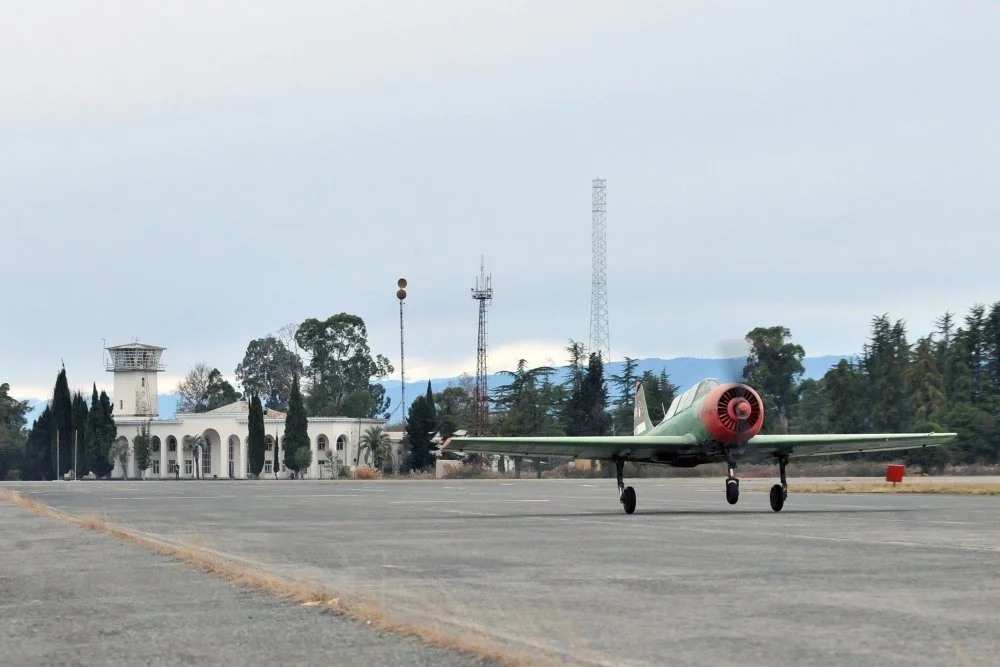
683 372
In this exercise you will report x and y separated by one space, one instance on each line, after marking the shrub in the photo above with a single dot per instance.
366 473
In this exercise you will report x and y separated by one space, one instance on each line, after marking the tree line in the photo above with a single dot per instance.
69 436
329 359
946 380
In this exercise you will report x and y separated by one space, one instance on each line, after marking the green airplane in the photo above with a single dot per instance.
708 423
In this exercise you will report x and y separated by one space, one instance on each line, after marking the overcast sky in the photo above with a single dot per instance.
197 174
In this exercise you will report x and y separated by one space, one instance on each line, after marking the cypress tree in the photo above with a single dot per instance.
107 431
78 442
38 462
62 424
419 429
430 402
258 443
140 449
296 430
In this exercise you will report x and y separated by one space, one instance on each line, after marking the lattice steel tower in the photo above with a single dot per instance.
600 336
483 293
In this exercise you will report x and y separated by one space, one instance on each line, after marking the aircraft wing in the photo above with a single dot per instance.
582 447
797 446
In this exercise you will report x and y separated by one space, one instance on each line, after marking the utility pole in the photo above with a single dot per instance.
76 438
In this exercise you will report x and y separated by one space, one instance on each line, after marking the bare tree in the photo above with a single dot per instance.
193 388
119 454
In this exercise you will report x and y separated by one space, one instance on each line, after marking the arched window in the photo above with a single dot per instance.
206 458
171 444
268 443
154 444
341 441
322 443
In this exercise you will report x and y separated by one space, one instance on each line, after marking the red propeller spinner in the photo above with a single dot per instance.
732 413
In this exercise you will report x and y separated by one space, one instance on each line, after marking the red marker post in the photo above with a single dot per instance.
894 474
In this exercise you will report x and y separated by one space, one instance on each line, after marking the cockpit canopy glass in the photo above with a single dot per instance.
685 400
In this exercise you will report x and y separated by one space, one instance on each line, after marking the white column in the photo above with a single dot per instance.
314 466
163 457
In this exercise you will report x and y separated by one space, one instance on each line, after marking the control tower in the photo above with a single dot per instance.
135 366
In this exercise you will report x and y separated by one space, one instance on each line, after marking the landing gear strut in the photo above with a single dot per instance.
626 494
732 483
779 492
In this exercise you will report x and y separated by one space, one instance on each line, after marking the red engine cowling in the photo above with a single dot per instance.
732 413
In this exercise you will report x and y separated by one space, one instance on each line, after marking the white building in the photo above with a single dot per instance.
225 430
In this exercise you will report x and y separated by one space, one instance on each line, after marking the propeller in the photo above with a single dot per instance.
733 353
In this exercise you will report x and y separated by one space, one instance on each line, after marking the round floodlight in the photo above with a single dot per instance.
401 283
401 294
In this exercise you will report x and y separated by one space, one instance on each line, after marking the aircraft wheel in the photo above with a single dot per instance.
777 497
628 499
732 490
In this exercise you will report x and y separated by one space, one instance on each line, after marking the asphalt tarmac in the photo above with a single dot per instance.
554 570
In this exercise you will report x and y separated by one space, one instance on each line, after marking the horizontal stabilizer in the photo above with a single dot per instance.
584 447
796 446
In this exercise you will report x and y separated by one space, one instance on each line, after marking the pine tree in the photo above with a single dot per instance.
925 383
846 410
660 392
975 339
419 430
62 423
296 430
991 334
585 410
257 439
625 386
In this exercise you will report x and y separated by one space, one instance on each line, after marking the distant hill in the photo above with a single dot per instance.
683 371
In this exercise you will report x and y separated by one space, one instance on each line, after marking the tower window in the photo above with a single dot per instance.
143 382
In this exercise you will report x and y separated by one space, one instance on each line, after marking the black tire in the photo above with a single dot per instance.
777 497
732 491
628 499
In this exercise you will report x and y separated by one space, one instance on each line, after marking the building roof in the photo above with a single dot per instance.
136 346
243 407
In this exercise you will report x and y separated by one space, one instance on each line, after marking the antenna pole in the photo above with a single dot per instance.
600 337
483 293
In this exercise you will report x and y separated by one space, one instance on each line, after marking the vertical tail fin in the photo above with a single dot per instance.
641 422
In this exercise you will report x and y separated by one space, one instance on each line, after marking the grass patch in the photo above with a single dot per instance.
305 593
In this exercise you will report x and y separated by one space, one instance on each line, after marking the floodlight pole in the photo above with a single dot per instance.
401 295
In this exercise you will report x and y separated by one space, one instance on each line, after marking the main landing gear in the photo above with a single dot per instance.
779 492
732 483
626 494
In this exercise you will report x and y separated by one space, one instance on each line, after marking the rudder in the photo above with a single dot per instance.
640 416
